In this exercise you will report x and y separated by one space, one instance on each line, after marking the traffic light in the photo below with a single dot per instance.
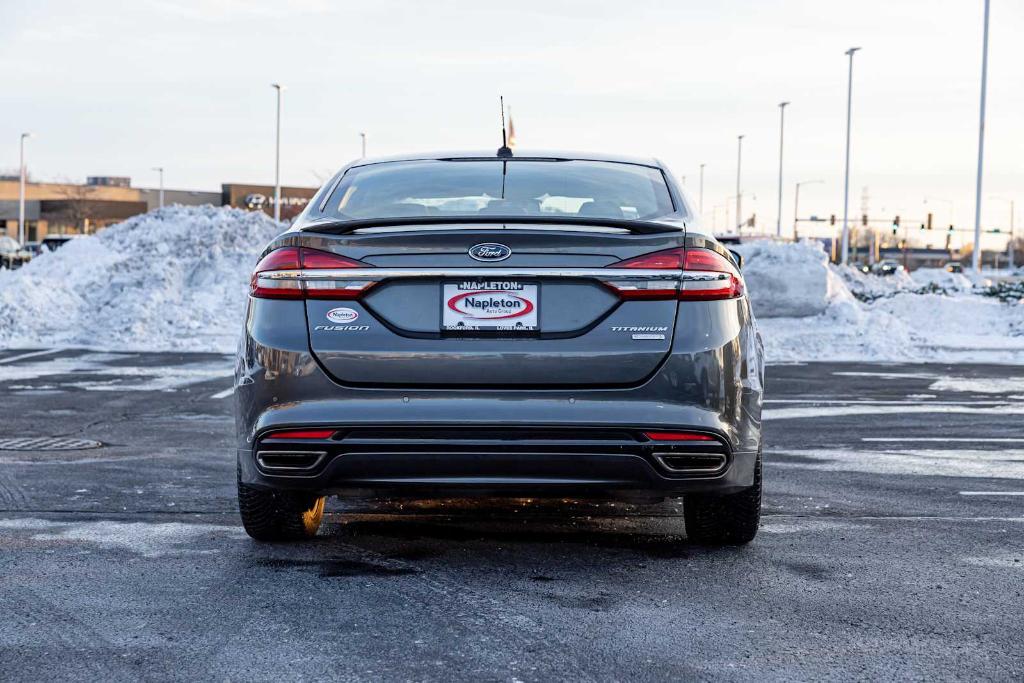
929 221
864 220
832 220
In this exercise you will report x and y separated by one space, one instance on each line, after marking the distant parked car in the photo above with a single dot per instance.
54 242
954 267
12 255
887 267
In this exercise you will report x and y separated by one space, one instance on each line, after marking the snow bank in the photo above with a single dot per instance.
903 327
842 313
788 279
175 278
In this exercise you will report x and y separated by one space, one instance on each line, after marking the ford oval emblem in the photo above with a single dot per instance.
489 252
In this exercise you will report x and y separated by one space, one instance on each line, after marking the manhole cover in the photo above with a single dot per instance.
47 443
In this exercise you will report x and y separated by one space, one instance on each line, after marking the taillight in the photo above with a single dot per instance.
290 273
705 275
708 275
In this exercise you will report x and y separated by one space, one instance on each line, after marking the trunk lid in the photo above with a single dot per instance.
528 310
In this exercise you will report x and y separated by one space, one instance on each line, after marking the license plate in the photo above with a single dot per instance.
489 306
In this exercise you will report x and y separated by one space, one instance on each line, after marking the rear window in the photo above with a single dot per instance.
596 189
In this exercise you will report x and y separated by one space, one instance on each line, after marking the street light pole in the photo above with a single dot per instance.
363 136
160 170
796 204
782 129
277 156
702 190
21 190
739 194
976 253
846 181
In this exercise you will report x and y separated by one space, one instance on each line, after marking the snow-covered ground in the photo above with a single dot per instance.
172 279
176 279
836 313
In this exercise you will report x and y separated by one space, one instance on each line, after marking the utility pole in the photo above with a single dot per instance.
976 253
702 190
21 191
782 129
846 182
363 137
1011 255
796 205
1009 247
277 155
739 194
160 170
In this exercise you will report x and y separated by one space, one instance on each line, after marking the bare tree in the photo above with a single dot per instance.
78 208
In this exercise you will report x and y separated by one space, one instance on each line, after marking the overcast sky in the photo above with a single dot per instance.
115 88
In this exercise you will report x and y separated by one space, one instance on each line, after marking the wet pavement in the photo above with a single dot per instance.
892 547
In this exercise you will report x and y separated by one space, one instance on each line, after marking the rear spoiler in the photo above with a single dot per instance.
340 227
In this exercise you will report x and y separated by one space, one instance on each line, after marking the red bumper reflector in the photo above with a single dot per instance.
302 434
678 436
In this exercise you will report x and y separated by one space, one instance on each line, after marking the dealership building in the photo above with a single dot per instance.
73 209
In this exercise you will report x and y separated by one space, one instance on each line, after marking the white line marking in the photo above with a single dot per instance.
839 411
940 439
992 493
29 355
224 394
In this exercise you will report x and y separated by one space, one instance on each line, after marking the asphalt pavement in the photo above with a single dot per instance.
892 547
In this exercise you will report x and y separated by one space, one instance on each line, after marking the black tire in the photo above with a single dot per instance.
279 515
724 520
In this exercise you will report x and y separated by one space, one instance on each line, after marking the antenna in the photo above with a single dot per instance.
504 150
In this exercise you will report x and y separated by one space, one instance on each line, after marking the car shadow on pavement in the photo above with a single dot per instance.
414 529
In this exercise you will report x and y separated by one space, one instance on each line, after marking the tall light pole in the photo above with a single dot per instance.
782 130
976 253
160 170
702 190
363 136
277 155
846 181
21 190
739 194
796 204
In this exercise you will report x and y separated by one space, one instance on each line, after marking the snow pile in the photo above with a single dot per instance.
175 278
868 287
940 280
788 279
840 313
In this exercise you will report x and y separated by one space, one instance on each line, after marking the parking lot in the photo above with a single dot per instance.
892 546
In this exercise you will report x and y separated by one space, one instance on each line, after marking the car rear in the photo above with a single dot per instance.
471 325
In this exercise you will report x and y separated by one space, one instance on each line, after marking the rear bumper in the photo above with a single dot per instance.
495 460
710 383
